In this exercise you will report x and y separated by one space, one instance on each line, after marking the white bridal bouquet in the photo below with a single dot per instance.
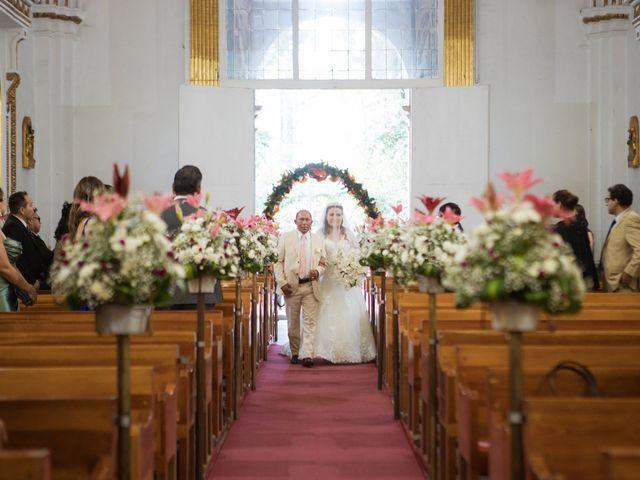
514 256
124 259
349 269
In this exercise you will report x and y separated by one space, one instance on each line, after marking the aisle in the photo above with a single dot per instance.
327 422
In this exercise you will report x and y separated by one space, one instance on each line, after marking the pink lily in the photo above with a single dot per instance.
397 208
543 205
519 183
423 219
158 203
214 230
450 217
105 207
375 223
194 200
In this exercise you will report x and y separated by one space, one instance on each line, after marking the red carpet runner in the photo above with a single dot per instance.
327 422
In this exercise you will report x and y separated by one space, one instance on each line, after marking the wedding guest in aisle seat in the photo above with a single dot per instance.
455 209
620 258
33 263
87 189
574 232
187 181
10 277
46 255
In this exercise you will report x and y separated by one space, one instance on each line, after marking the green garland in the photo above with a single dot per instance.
320 172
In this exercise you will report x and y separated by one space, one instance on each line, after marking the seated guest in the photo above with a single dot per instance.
33 224
574 232
10 277
187 181
87 189
32 263
63 224
455 209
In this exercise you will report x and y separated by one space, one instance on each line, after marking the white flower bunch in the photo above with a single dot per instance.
513 255
424 248
256 239
125 258
376 243
205 247
348 268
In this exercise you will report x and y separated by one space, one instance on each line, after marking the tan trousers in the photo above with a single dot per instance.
303 300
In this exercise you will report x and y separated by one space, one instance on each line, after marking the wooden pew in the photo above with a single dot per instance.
162 358
565 436
33 464
186 345
620 463
483 389
70 411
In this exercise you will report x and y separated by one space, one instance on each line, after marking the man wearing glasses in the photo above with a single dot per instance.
620 259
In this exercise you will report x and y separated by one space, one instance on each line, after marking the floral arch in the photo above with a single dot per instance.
319 172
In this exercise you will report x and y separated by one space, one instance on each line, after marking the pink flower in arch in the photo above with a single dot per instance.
519 183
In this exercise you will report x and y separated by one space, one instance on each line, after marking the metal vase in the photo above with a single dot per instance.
116 319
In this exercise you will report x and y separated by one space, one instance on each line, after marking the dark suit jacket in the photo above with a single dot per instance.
173 226
36 258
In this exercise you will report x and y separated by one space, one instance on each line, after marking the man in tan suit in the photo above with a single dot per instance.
620 259
301 257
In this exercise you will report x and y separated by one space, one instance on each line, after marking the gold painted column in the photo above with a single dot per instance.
204 63
459 42
14 78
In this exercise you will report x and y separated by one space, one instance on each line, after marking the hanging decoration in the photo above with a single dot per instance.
320 172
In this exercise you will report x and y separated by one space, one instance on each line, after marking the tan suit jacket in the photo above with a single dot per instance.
288 264
621 251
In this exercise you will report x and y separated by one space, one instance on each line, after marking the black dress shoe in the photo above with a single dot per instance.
295 360
307 362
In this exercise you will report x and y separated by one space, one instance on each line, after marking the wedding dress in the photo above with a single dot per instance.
343 331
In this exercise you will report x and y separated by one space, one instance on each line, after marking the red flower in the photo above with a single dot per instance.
121 183
234 212
430 203
318 173
397 208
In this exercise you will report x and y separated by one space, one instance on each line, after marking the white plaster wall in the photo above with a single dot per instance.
217 135
533 57
449 154
130 64
633 97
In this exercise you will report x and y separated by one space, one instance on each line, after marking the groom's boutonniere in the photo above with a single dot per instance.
317 251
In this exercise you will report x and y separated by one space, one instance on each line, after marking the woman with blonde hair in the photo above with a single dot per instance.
87 189
10 250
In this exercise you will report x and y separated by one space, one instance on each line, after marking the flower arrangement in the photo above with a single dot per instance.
349 269
125 257
514 256
204 246
256 240
376 243
426 244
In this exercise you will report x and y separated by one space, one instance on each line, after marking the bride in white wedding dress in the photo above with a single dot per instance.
343 331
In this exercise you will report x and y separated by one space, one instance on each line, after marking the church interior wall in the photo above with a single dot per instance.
126 66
